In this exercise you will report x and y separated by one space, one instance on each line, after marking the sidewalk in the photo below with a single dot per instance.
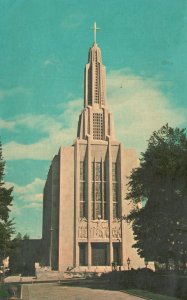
20 279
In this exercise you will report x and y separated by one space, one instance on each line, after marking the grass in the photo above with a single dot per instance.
9 289
149 295
3 291
103 285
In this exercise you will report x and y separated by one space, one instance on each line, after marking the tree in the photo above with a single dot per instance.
161 180
6 225
26 236
16 255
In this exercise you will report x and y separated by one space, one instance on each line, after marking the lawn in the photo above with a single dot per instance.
149 295
8 290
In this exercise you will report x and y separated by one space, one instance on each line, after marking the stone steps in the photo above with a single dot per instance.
95 269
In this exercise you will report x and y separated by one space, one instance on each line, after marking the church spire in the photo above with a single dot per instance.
95 120
95 31
95 76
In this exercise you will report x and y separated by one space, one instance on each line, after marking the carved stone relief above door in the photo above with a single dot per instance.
82 228
99 229
116 228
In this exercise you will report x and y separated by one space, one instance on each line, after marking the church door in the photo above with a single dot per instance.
99 254
116 253
82 254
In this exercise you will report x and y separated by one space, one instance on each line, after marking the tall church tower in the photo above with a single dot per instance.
84 195
95 120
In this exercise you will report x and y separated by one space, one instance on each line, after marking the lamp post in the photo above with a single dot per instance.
119 254
128 262
51 245
146 262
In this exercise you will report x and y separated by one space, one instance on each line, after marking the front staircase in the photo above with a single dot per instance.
45 274
92 269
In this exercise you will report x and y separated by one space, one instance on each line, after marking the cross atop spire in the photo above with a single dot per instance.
95 28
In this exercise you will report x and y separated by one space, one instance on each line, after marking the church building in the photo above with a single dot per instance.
84 194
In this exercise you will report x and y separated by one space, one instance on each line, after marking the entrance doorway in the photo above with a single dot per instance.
116 253
82 254
99 254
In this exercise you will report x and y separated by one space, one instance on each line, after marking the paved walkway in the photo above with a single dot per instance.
54 291
19 279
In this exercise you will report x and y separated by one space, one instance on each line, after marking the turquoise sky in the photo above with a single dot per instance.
44 48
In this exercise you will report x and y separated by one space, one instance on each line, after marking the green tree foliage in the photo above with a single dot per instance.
26 236
6 225
17 263
161 180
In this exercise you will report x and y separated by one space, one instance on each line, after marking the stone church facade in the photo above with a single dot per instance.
84 194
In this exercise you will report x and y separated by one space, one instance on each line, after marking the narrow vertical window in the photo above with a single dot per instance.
98 171
97 126
114 172
82 171
90 86
115 191
82 191
99 208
